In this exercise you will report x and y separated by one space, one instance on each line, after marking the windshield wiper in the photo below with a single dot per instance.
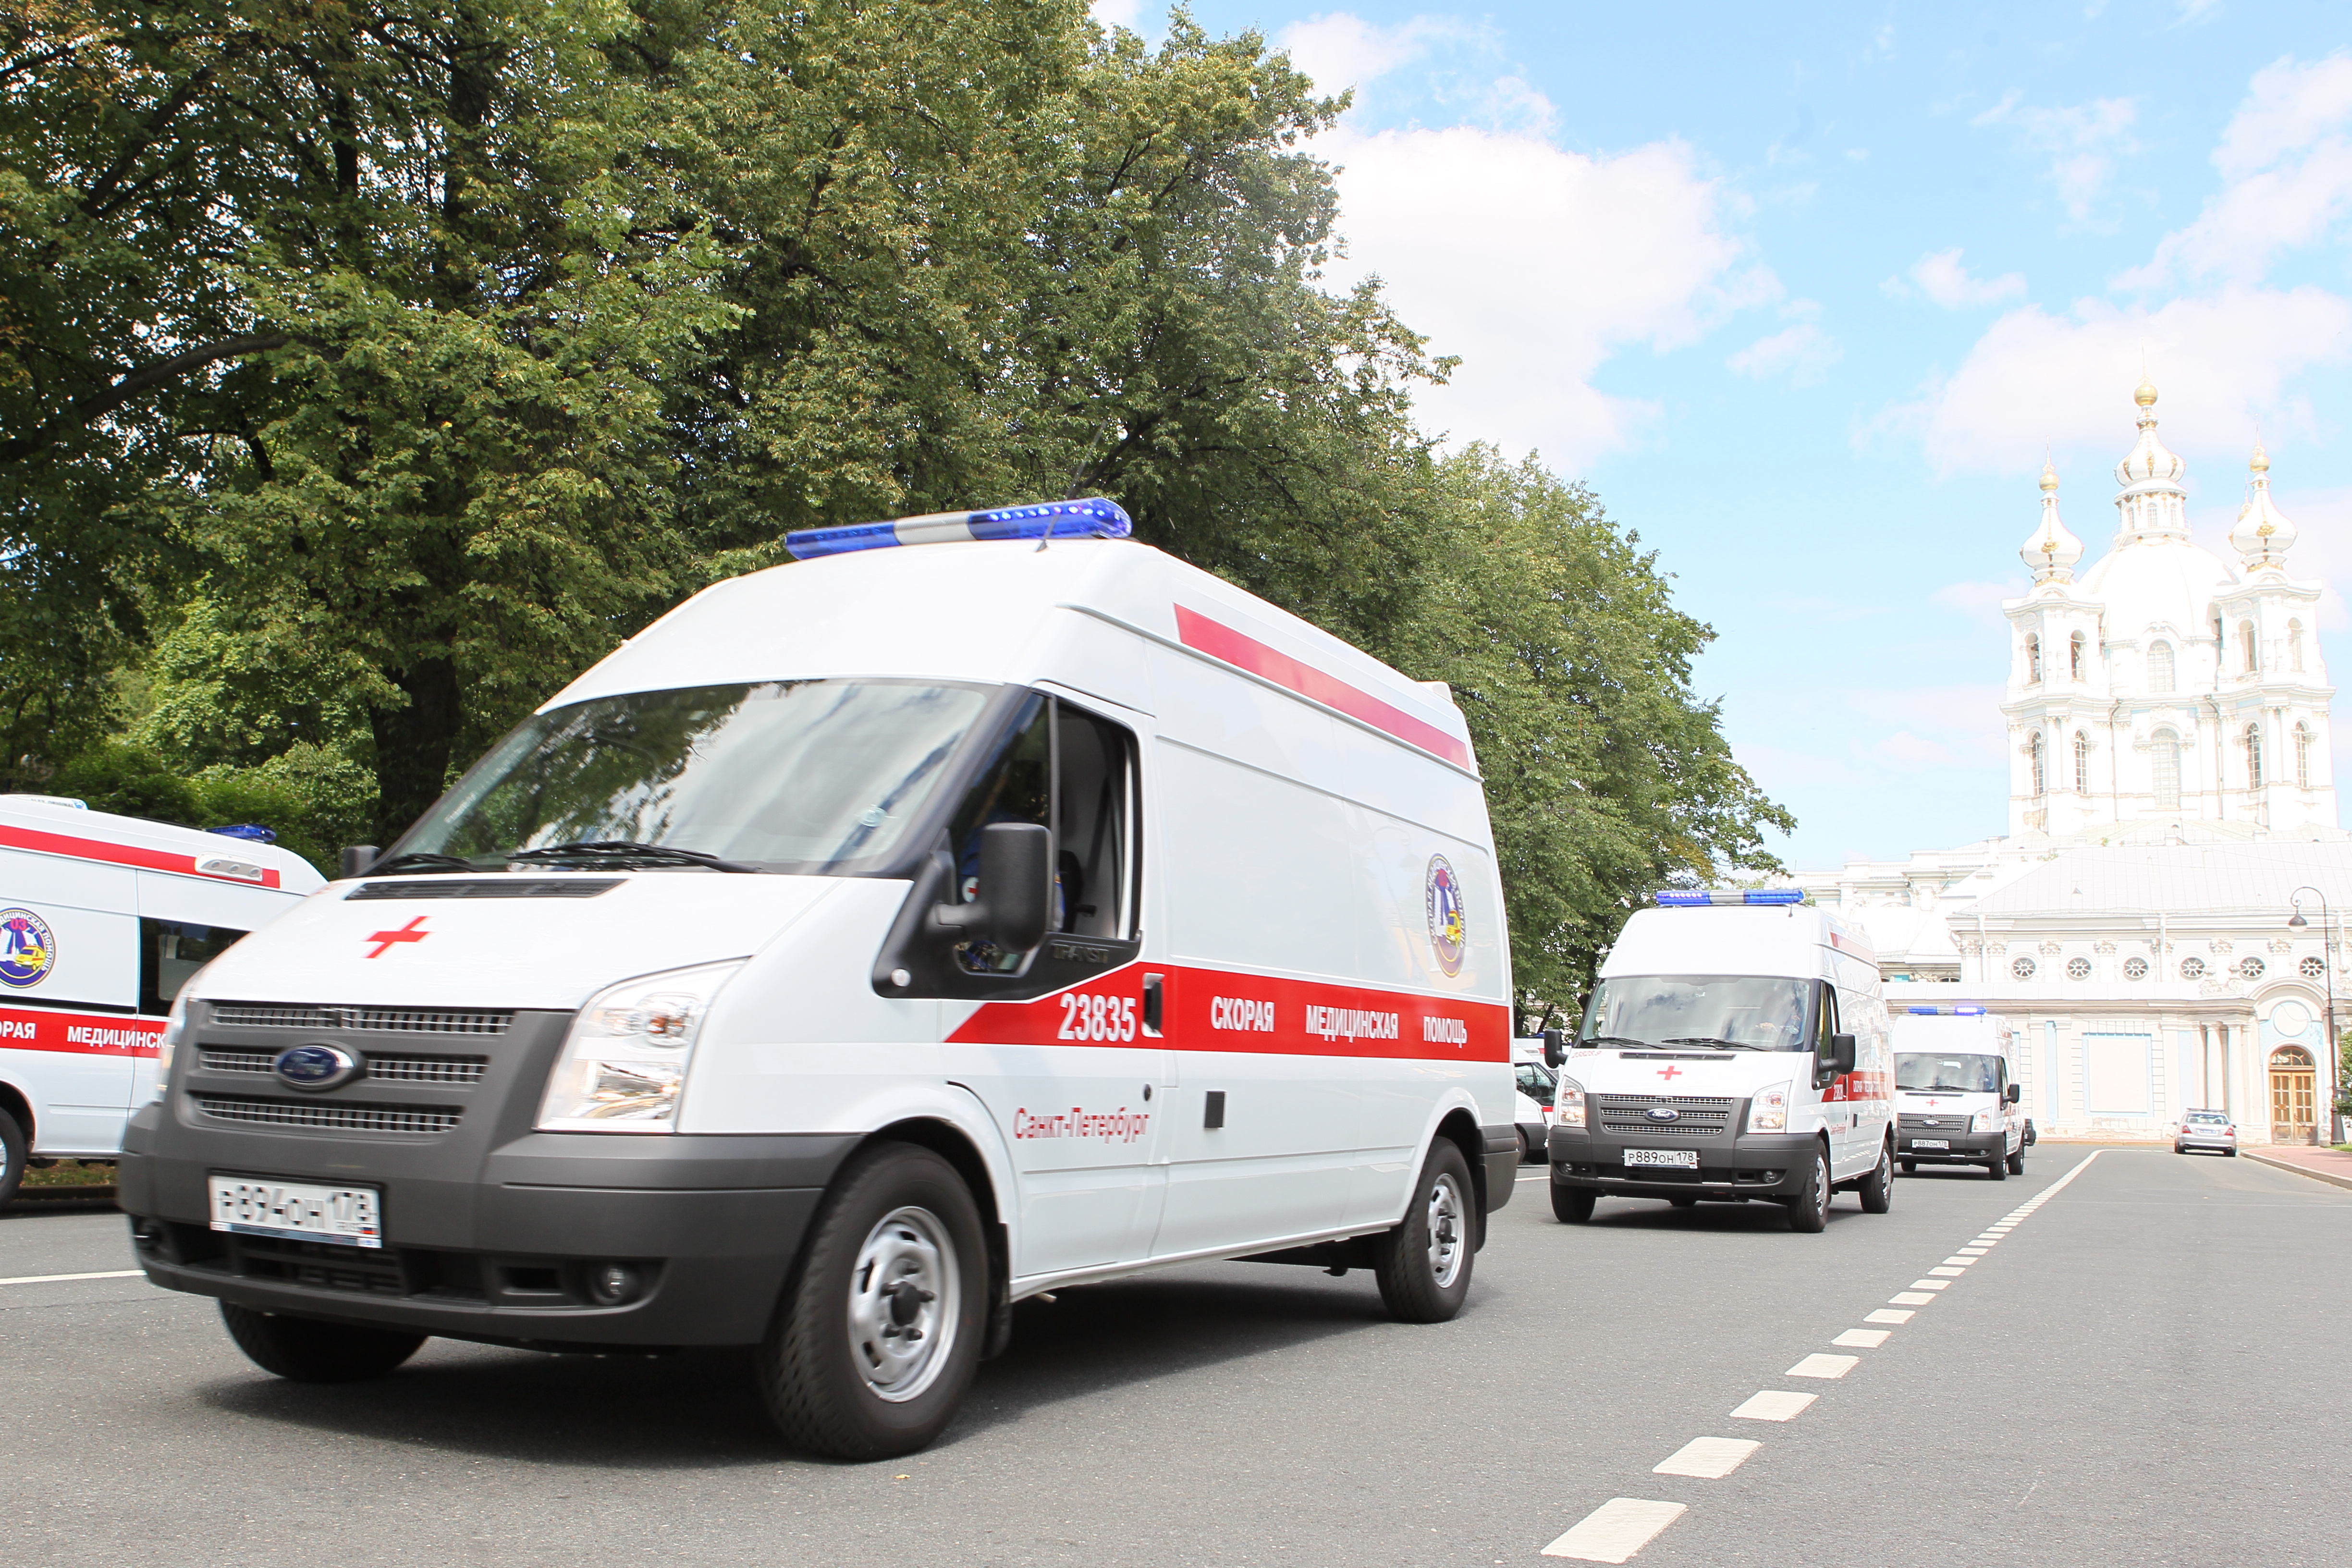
1613 1040
629 850
422 860
1714 1040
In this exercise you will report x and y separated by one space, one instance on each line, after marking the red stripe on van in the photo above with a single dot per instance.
126 855
1221 641
78 1034
1218 1010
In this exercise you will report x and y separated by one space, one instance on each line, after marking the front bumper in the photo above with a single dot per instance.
1748 1165
1966 1148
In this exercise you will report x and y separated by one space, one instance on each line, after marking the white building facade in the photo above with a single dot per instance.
2172 805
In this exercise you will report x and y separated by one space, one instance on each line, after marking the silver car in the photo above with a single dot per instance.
2206 1130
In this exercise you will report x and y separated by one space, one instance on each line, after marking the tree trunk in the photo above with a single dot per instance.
412 744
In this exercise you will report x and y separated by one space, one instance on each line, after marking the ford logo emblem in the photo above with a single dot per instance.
1663 1113
1929 1122
318 1067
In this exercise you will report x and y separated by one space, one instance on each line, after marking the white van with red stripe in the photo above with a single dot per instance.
101 919
869 944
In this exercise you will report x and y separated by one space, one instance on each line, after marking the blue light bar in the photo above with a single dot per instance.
1093 518
1699 897
1924 1012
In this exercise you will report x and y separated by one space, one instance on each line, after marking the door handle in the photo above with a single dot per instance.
1151 990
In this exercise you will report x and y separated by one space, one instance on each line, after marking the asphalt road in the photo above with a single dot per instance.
2152 1367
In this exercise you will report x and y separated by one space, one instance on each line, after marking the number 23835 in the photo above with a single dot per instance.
1087 1017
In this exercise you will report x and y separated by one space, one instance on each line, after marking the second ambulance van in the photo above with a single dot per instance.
969 911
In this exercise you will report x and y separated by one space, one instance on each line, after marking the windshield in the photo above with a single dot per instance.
1747 1011
789 776
1951 1073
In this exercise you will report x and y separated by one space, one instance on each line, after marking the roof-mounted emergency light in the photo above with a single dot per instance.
1919 1011
1093 518
1695 897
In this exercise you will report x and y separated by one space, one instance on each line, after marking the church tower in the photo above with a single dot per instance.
2166 694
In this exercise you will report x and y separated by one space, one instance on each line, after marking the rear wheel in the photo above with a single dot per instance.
12 1157
307 1351
1527 1149
1683 1203
1877 1188
1809 1210
1572 1205
1424 1264
875 1341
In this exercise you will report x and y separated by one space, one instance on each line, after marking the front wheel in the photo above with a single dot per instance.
1878 1188
12 1157
1999 1169
1424 1264
876 1342
1809 1210
1572 1205
304 1350
2017 1163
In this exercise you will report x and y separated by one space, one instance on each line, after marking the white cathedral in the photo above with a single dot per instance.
2172 807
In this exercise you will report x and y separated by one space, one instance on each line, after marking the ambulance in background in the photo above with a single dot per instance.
102 918
1735 1048
1958 1100
1537 1082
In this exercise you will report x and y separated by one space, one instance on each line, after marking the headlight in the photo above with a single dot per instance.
175 1024
1769 1112
1568 1104
624 1061
1987 1121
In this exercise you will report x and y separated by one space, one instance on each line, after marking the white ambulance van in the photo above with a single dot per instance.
1957 1101
1537 1083
1735 1048
101 919
960 914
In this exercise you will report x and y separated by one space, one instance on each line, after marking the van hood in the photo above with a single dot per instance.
1684 1071
524 952
1943 1101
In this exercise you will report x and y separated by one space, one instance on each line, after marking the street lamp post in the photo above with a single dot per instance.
2328 964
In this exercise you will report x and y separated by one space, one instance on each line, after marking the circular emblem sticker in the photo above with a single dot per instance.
27 950
1449 928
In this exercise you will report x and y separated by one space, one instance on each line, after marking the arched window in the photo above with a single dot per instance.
2032 660
2295 646
2160 668
2033 750
2249 647
2075 656
2302 756
2253 756
2164 769
2081 762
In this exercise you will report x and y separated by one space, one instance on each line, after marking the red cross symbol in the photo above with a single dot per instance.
1670 1074
384 940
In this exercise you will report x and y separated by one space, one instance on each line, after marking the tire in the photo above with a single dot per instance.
2232 1154
1808 1209
1526 1151
2178 1150
1572 1205
2017 1162
897 1245
1683 1203
1910 1167
1999 1169
304 1349
12 1157
1877 1188
1424 1264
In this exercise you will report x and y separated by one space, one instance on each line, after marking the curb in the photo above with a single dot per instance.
2330 1178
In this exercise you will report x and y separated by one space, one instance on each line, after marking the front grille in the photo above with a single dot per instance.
235 1061
330 1115
1703 1116
391 1020
1932 1126
467 1070
321 1265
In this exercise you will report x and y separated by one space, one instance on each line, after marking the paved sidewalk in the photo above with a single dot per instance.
2322 1164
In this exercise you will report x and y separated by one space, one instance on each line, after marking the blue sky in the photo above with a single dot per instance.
1804 293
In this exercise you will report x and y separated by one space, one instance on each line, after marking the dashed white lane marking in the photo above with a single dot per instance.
1863 1338
1960 1260
60 1278
1930 1284
1775 1405
1819 1365
1910 1298
1974 1251
1949 1272
1616 1529
1708 1458
1884 1316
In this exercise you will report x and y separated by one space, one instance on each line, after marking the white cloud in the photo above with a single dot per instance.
2036 379
1805 353
1943 280
1341 50
2081 141
1116 13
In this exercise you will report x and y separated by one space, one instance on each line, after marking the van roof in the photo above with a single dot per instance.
1011 613
46 826
1730 939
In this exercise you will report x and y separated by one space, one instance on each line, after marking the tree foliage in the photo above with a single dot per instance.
365 372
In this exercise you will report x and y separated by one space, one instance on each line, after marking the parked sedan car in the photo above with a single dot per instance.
2206 1130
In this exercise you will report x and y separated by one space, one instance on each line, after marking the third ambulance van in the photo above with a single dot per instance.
1957 1101
971 910
1735 1049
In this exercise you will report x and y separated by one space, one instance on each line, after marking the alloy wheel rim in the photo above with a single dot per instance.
1821 1183
1445 1231
905 1303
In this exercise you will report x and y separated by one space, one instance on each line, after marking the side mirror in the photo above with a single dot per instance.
357 858
2016 1093
1555 1049
1839 1057
1016 888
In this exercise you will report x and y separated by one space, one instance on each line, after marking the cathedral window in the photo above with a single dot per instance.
2033 750
2192 969
2078 969
2251 967
2249 647
2302 756
2075 656
2160 668
2164 769
2022 968
2135 969
2253 756
2295 646
2312 968
2032 660
2081 762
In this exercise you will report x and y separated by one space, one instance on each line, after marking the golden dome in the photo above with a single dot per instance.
2048 477
2260 463
2145 396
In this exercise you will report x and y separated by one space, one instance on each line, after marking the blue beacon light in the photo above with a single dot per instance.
1093 518
1699 898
